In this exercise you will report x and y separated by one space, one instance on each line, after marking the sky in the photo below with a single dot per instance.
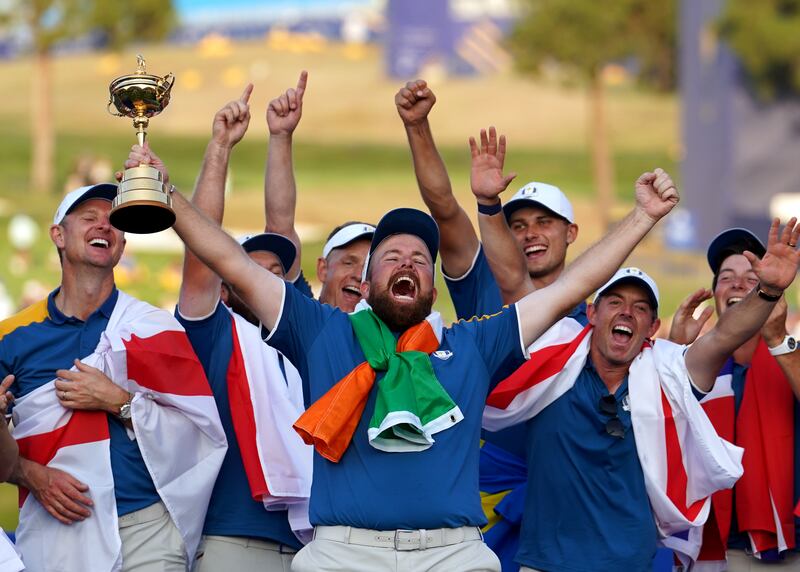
198 11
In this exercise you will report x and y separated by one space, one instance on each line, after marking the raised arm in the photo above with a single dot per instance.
775 271
458 242
685 327
774 332
502 252
200 285
656 195
280 190
259 288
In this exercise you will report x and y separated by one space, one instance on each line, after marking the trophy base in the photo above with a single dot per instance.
141 205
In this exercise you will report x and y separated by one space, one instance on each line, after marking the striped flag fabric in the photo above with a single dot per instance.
683 459
9 559
145 351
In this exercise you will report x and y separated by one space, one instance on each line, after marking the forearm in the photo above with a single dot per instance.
541 308
280 194
20 475
431 173
506 260
9 453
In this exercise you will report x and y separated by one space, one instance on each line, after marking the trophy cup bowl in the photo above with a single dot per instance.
142 204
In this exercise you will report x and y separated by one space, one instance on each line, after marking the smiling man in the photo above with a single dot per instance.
753 529
612 412
103 381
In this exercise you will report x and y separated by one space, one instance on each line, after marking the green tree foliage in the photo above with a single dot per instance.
766 37
143 20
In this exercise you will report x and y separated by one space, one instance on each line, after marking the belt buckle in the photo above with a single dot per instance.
406 539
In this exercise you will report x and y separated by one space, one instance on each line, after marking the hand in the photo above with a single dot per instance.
144 156
414 102
230 122
89 388
778 267
685 327
6 397
284 112
774 329
486 176
59 493
656 194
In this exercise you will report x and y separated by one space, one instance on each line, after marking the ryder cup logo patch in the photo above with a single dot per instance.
442 354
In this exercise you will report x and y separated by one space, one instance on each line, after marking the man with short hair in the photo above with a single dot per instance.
753 405
613 413
102 382
373 508
247 527
342 261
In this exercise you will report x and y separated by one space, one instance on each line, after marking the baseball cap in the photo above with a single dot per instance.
540 194
278 244
732 241
105 191
406 221
631 275
347 234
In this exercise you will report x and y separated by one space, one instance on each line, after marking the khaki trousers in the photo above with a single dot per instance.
740 561
151 541
329 555
236 554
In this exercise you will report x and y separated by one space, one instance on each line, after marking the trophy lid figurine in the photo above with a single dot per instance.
142 204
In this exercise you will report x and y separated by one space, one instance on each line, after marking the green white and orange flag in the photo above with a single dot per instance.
411 405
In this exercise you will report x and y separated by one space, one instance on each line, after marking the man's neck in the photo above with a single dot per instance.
81 295
612 374
743 355
540 282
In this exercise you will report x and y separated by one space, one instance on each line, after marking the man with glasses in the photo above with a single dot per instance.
608 413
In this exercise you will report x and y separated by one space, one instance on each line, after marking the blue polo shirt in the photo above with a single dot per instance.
301 285
40 340
737 539
586 508
374 489
232 510
476 293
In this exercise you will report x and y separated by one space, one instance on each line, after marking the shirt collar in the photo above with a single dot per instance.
58 317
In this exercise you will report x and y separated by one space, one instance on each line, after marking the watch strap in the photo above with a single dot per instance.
787 346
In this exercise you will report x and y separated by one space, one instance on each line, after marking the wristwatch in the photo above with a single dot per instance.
788 345
125 409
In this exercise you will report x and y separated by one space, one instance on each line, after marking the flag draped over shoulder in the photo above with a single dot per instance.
683 459
263 406
145 351
411 405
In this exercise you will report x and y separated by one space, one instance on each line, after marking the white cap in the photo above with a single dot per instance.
632 274
541 194
105 191
346 235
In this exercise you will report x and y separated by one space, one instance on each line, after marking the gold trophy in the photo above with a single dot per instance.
142 204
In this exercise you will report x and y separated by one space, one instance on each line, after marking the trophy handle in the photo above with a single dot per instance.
108 108
167 81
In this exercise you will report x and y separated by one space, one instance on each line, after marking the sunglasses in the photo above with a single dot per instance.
614 426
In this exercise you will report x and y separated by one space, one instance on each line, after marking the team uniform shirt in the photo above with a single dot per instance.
586 507
739 540
40 340
232 510
373 489
476 293
301 284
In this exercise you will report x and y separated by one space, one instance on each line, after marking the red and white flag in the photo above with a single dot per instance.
278 463
145 351
9 559
683 459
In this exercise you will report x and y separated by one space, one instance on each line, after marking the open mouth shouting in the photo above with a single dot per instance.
733 300
99 243
621 334
404 287
351 294
535 250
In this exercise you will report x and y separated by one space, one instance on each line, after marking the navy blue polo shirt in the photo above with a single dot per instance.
40 340
374 489
232 510
586 508
476 293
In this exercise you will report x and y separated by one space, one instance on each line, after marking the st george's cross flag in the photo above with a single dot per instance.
145 351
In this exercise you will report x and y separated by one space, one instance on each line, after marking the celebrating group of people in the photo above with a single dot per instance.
262 429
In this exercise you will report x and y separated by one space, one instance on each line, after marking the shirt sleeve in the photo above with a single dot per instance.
476 292
498 340
300 321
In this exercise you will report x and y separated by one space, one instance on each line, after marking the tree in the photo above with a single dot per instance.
49 22
582 37
765 37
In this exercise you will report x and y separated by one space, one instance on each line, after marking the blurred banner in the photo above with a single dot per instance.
741 162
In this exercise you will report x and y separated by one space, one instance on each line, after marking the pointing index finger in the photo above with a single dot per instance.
301 83
248 89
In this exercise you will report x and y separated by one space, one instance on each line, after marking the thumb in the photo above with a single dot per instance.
754 260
